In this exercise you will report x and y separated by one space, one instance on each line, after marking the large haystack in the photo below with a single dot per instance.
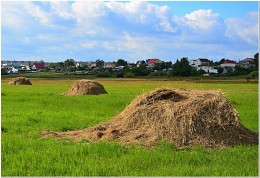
183 117
20 81
86 87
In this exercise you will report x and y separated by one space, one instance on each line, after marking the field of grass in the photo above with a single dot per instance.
26 110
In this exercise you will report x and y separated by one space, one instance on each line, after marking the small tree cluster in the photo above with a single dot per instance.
181 68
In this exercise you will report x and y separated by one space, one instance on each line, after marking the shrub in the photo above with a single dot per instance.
120 75
252 75
141 71
104 74
158 73
129 75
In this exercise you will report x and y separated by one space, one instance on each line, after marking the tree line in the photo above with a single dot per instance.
179 68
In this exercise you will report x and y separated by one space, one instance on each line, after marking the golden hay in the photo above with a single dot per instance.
86 87
20 81
183 117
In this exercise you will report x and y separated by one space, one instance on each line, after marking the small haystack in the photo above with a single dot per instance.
20 81
86 87
183 117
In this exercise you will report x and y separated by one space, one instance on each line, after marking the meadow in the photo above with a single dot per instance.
27 110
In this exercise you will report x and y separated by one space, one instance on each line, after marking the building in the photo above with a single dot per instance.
193 63
110 64
199 62
17 70
246 63
140 63
38 65
153 61
208 69
228 63
19 63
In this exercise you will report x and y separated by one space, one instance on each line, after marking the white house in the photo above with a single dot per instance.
193 63
199 62
208 69
246 62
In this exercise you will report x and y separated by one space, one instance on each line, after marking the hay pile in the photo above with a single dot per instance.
183 117
86 87
20 81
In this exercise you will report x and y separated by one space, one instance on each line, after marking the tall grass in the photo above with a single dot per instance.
26 110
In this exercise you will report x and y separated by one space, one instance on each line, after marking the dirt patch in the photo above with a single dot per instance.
86 87
20 81
184 117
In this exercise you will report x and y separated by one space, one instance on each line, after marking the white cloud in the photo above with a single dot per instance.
202 19
199 20
26 40
89 44
62 9
134 29
137 47
44 37
133 11
245 29
12 15
109 46
143 13
39 14
22 15
92 13
85 11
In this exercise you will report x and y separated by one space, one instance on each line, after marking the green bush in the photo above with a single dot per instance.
129 75
104 74
252 75
158 73
141 71
120 75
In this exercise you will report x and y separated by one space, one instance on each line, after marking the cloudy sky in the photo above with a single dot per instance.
135 30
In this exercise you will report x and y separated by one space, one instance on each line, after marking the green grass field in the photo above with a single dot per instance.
26 110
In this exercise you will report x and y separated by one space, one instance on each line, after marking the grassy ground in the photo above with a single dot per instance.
26 110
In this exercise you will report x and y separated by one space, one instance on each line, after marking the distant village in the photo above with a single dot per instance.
154 65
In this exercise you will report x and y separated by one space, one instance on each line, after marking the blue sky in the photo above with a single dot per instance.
227 9
135 30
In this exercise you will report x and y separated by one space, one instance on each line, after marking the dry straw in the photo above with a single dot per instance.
85 87
20 81
184 117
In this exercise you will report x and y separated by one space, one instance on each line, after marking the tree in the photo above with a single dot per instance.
69 62
157 67
3 71
240 70
176 68
100 63
126 69
181 68
221 61
121 62
168 65
162 65
220 70
60 64
53 65
185 67
256 61
141 71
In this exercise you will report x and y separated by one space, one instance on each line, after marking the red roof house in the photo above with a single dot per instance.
228 63
151 62
40 65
